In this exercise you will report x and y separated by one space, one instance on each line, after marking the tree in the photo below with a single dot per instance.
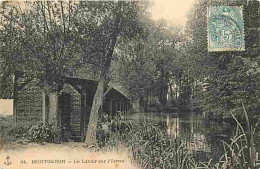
148 71
220 68
45 38
114 21
8 47
55 38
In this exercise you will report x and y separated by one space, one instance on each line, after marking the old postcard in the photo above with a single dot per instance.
152 84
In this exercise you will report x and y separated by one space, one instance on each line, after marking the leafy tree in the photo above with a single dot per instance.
45 47
113 21
56 38
223 69
152 63
8 46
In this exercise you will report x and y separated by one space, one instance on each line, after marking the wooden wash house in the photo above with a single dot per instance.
67 110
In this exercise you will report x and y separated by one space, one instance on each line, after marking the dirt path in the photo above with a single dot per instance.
61 156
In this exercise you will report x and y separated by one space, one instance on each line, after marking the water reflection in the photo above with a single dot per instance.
189 129
202 137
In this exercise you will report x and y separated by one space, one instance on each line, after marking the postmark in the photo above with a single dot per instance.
225 28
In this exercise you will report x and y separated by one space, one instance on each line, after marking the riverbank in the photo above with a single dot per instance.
24 153
150 141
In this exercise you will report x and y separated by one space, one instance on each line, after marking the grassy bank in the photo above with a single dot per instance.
149 146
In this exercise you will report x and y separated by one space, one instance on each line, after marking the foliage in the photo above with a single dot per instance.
20 132
230 77
155 106
117 22
31 133
49 40
54 39
150 147
240 84
242 151
43 45
40 133
150 66
228 88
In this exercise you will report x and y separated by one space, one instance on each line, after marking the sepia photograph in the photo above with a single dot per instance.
129 84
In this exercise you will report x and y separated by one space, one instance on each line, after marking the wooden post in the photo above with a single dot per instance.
127 106
15 99
54 116
120 105
116 107
123 105
83 113
111 108
44 108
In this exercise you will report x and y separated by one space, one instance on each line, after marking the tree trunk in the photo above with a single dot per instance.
104 79
93 121
4 85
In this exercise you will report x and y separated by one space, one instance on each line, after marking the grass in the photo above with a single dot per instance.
150 147
241 153
6 122
5 125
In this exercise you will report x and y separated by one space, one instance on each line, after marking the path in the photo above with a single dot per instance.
61 156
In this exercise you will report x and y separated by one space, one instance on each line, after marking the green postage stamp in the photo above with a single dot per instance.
225 28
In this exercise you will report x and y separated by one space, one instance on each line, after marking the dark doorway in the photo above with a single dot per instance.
65 105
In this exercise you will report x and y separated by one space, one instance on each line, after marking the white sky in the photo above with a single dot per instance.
173 11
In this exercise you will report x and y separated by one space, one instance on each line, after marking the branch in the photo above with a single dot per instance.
44 16
69 17
36 53
49 12
20 87
63 18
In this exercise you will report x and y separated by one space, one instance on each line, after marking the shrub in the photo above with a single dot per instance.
31 133
155 106
40 133
20 132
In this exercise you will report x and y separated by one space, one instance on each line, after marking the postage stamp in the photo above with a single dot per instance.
225 28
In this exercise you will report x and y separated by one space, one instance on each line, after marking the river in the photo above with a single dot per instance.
202 136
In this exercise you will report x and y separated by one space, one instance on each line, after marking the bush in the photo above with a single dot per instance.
20 132
40 133
155 106
31 133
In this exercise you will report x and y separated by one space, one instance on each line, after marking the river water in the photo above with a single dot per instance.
202 137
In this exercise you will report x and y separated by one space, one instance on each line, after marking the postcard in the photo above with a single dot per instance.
129 84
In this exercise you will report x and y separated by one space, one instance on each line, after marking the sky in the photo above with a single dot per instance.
173 11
